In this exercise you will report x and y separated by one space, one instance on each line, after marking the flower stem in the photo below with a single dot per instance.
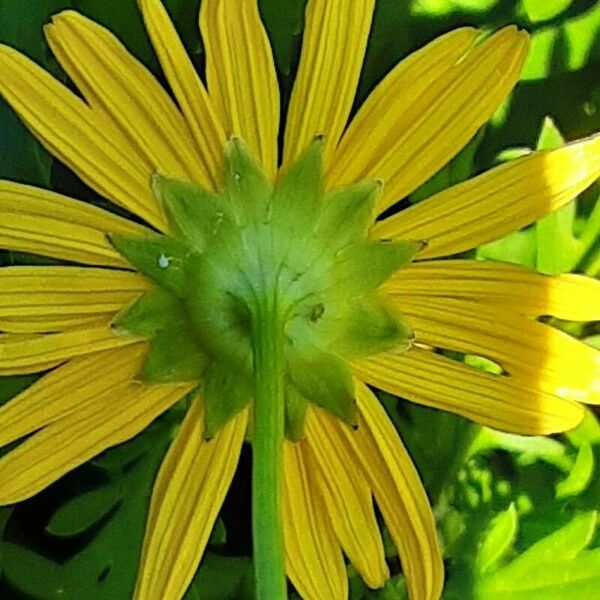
267 451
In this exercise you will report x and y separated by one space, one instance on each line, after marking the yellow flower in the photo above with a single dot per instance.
127 128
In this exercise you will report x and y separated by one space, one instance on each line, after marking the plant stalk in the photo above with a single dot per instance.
267 451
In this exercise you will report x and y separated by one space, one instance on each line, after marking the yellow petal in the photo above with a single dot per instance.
501 402
314 560
537 355
501 200
333 49
383 112
34 353
187 496
118 86
67 389
241 75
48 324
85 140
114 417
188 89
45 293
42 222
425 112
400 497
571 297
347 498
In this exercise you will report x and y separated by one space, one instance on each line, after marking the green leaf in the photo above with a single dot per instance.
120 457
528 449
35 575
106 563
537 11
580 475
551 568
222 578
518 247
573 39
82 512
498 539
587 432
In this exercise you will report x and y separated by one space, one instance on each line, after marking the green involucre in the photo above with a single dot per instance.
227 251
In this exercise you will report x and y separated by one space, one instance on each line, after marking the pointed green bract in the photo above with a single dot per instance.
373 328
159 257
366 265
348 213
152 312
299 195
296 407
192 213
245 188
175 355
293 246
168 362
325 380
225 393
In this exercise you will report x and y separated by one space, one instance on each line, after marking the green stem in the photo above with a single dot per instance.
267 450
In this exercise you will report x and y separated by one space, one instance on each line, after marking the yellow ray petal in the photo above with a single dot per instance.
400 497
85 140
67 389
383 111
241 75
113 418
34 353
66 291
188 89
119 87
333 49
501 200
571 297
347 498
48 324
314 560
425 112
42 222
538 355
188 493
501 402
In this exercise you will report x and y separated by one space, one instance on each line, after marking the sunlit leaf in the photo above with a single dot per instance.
498 539
556 567
580 475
